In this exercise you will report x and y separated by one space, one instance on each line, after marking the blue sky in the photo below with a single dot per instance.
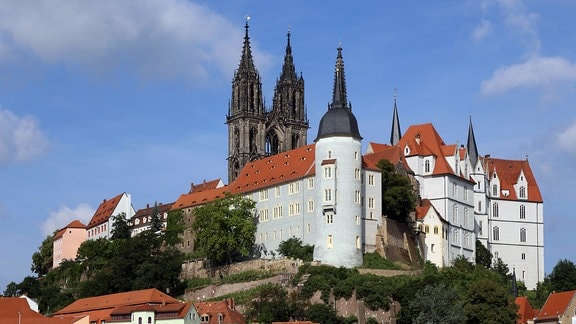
103 97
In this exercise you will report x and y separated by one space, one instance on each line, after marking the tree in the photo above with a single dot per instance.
487 301
11 290
174 228
225 228
502 269
483 256
398 196
323 314
436 304
563 276
156 219
42 259
293 248
270 304
120 227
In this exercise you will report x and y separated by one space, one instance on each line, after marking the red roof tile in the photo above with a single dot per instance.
73 224
104 211
148 210
206 185
525 310
384 152
508 172
276 169
226 308
199 198
555 305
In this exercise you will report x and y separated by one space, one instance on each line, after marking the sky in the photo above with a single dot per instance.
103 97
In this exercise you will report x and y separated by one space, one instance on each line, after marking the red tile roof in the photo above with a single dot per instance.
11 307
525 310
383 152
73 224
206 185
100 307
275 169
508 172
149 209
199 198
226 308
555 305
104 211
174 310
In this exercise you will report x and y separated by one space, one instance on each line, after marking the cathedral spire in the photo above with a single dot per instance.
288 69
339 98
246 62
396 133
471 145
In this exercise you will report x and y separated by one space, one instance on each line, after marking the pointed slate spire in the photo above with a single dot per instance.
514 289
339 119
396 133
339 98
246 62
288 69
471 145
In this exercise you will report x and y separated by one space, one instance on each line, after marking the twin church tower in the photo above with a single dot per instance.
255 132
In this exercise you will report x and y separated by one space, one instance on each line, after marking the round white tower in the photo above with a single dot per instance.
339 239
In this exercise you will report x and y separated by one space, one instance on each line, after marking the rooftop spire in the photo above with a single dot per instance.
339 98
471 145
288 69
396 133
246 62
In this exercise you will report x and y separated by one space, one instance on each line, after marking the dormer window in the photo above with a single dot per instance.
522 192
494 190
427 166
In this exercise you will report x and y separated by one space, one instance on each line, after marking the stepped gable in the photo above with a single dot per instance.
383 152
200 198
555 305
508 172
276 169
73 224
225 308
104 211
424 140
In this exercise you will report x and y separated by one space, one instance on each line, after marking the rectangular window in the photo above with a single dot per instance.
310 205
310 183
371 202
277 191
357 196
358 244
329 242
327 172
264 194
357 220
371 180
329 218
327 195
294 187
357 174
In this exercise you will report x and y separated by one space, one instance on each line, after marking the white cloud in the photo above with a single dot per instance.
20 138
64 216
168 38
482 30
567 139
536 72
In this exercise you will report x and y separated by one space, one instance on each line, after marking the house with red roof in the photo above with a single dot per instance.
142 219
67 241
17 310
526 313
560 307
219 312
102 222
434 231
140 306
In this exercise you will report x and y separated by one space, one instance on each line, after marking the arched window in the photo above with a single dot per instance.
495 210
522 192
496 233
522 235
272 143
494 190
427 166
522 212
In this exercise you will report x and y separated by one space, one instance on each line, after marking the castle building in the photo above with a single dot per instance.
254 132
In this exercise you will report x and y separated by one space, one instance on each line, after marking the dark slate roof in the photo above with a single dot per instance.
339 119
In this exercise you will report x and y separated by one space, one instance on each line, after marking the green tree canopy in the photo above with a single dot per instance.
563 276
42 259
120 227
225 228
270 304
293 248
483 255
156 219
437 304
398 196
487 301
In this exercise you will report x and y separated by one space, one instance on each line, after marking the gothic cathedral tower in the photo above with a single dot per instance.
253 132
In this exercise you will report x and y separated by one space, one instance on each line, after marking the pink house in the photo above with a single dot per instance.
67 241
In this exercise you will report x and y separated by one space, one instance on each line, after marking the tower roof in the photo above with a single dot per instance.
288 69
396 133
339 119
246 61
471 145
